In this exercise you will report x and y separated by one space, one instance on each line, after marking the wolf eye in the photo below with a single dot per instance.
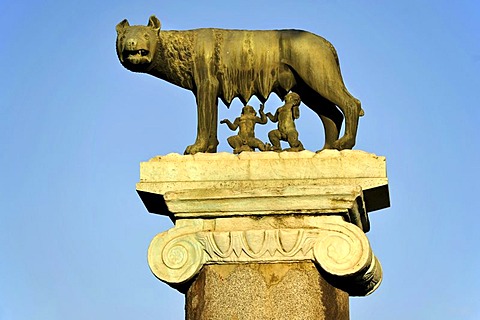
147 36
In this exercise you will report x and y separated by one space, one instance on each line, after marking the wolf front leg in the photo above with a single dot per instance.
207 114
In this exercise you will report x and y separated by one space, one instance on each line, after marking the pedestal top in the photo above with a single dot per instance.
304 182
327 164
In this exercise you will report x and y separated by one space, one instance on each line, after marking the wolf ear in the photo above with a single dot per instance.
122 25
154 23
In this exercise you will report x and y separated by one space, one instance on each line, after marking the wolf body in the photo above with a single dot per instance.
225 64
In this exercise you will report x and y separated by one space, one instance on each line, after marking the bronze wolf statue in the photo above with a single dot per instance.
225 64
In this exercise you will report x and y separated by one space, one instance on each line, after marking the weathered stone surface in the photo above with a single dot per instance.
264 291
248 226
346 201
328 164
339 248
251 171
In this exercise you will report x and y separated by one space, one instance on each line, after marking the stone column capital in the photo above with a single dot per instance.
268 207
340 249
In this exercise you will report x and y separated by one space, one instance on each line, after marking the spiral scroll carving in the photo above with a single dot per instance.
175 259
343 251
340 249
369 281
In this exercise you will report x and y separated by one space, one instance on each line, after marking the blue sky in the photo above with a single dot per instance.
74 126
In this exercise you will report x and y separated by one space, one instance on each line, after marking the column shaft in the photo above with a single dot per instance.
264 291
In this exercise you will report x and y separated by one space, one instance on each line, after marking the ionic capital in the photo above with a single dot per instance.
339 248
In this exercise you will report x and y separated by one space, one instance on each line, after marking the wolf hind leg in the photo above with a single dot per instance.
329 114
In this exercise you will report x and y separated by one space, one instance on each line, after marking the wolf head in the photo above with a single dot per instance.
136 45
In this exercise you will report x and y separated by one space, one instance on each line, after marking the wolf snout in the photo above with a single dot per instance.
131 44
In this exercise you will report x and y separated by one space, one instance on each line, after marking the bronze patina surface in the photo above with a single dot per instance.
225 64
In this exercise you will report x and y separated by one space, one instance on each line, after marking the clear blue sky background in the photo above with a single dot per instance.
74 126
